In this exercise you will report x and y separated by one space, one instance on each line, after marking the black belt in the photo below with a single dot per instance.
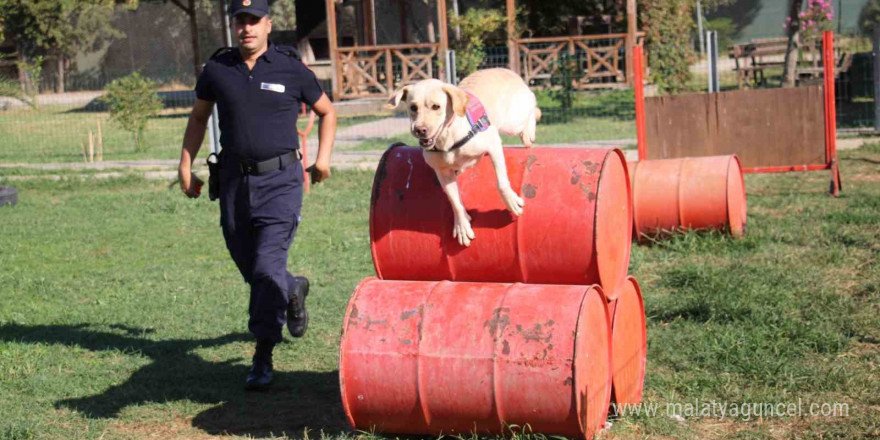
251 167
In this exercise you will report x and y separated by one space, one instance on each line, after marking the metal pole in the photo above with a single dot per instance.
717 69
710 61
875 56
226 26
700 28
457 27
712 52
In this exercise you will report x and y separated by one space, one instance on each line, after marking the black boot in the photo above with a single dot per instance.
260 376
297 316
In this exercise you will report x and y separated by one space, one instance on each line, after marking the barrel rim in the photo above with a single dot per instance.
737 226
339 366
637 289
378 177
579 364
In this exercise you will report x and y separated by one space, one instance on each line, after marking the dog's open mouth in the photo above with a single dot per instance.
428 143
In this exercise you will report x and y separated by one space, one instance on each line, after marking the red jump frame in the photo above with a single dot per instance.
831 161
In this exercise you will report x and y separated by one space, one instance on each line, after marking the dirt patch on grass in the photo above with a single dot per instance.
864 177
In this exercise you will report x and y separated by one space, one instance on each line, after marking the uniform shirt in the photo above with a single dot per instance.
258 108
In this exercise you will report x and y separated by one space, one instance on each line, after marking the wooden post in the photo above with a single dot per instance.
401 8
631 29
334 51
512 47
444 38
370 22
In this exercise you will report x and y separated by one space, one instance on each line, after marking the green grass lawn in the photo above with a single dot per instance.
122 315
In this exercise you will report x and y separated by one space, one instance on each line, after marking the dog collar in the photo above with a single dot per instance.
477 118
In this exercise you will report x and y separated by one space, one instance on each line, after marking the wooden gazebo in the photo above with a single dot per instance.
373 70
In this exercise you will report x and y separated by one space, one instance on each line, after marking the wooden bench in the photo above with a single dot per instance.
754 57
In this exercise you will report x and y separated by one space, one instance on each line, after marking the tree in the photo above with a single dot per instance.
58 28
132 101
191 8
283 13
668 25
805 28
793 25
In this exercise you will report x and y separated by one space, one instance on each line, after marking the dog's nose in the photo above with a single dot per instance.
422 131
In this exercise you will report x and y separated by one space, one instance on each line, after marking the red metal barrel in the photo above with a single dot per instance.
428 357
628 344
576 227
688 193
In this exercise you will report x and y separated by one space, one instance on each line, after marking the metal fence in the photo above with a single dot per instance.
59 126
757 63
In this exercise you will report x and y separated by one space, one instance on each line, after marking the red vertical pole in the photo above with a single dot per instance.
828 62
830 105
639 87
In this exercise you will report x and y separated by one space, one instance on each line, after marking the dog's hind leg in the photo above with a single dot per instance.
461 229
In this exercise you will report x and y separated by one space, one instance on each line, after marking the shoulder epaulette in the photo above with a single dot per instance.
289 51
221 51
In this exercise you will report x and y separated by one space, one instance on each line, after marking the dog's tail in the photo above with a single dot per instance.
528 134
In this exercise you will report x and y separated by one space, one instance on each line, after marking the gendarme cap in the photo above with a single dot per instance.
257 8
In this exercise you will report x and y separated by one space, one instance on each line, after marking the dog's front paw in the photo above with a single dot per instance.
463 232
514 202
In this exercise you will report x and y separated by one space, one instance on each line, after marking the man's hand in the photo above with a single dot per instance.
319 171
190 184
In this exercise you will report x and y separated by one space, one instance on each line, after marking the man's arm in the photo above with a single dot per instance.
192 142
326 136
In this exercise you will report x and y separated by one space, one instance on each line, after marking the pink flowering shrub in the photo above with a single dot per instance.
815 19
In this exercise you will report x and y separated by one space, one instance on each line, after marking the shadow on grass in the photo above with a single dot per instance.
296 401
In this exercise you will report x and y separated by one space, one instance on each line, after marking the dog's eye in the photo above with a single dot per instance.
435 107
413 108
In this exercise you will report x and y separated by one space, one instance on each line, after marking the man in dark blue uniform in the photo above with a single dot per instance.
258 89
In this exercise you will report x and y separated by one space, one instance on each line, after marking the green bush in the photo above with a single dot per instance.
668 25
563 79
476 25
33 72
11 89
132 100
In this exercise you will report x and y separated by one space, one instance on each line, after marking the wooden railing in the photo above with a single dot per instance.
376 71
600 58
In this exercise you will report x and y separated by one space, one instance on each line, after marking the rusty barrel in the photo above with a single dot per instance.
576 227
688 193
431 357
629 346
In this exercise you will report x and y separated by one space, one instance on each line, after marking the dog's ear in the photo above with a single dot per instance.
458 98
399 95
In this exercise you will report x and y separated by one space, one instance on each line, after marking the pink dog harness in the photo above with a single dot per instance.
476 116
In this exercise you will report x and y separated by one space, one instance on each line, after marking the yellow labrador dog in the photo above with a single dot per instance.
456 126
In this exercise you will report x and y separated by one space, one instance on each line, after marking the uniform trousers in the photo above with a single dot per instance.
259 215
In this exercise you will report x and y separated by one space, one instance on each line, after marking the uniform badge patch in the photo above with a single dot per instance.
246 3
278 88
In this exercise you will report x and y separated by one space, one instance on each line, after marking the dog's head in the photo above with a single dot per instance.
431 105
